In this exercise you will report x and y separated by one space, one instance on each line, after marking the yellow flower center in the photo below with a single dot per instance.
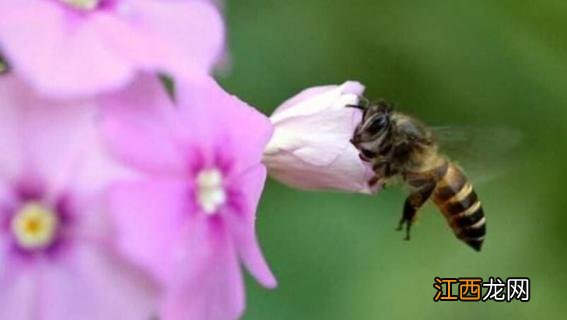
82 4
34 226
210 190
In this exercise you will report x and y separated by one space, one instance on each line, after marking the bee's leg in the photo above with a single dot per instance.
382 171
374 181
413 202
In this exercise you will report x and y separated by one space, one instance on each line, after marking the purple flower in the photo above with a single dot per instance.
311 148
56 254
83 47
191 220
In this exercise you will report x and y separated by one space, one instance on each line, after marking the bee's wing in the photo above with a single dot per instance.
482 152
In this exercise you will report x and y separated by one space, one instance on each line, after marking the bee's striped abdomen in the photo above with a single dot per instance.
456 198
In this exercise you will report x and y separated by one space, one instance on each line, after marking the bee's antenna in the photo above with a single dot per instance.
362 104
356 106
385 106
364 101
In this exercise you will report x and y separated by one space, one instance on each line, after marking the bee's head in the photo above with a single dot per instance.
374 127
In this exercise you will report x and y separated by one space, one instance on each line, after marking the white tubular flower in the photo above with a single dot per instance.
310 148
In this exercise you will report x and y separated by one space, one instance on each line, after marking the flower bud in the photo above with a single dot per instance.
310 148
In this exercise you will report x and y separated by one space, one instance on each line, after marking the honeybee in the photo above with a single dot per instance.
398 145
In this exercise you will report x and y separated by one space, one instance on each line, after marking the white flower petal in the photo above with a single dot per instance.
310 148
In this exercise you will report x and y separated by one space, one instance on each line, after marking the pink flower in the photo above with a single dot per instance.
56 255
191 220
83 47
310 148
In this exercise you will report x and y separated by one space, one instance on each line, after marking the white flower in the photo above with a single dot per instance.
310 148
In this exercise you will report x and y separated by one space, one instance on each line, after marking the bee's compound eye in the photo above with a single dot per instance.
367 153
377 125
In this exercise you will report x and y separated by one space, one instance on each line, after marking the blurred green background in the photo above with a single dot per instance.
482 62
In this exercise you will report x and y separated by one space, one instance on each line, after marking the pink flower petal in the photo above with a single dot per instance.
213 288
58 52
243 227
195 27
68 54
17 294
10 139
222 121
155 210
62 146
95 285
143 49
136 127
195 254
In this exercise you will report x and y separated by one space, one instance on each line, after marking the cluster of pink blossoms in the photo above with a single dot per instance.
119 200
